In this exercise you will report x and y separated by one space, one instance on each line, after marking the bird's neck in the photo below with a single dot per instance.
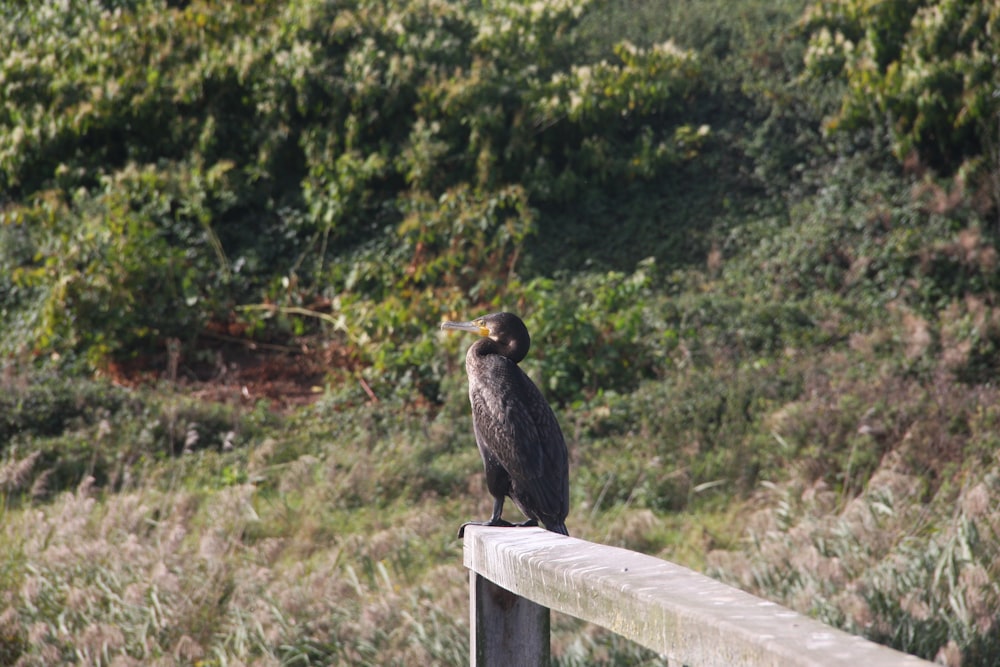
487 346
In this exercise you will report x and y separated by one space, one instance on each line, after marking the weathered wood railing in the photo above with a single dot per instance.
518 575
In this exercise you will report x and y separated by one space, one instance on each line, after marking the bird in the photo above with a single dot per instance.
523 449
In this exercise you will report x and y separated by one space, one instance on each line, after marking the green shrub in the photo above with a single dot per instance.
189 160
595 333
46 405
924 68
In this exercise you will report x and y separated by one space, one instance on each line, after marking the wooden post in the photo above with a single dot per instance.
506 629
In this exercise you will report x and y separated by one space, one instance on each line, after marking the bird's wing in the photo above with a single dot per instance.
515 426
504 426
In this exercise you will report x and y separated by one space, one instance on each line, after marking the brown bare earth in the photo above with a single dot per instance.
232 369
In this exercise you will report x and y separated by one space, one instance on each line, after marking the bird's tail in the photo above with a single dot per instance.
557 528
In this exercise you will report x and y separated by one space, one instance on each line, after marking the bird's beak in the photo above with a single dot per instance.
475 327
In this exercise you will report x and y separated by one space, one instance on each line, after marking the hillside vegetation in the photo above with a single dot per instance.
755 243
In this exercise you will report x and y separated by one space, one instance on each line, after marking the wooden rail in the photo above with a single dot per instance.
518 574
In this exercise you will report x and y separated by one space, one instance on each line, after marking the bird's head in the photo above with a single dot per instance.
505 329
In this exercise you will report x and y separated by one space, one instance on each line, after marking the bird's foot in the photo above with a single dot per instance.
501 523
530 523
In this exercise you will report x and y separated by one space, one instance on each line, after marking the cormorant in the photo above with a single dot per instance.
523 450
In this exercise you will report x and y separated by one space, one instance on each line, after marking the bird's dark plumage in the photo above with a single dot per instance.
523 450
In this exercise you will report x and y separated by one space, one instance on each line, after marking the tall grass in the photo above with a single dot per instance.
327 536
236 574
890 528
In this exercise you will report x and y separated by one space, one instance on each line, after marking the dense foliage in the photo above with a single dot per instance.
164 166
925 70
754 242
